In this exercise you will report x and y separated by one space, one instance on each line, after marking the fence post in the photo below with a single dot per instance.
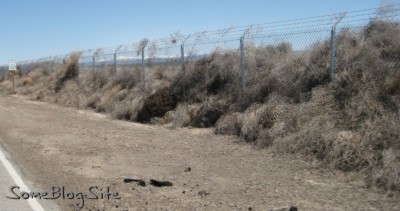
115 58
143 71
242 71
333 48
183 52
93 63
183 56
115 62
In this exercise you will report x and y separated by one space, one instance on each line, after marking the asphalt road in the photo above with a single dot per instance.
12 187
9 204
6 182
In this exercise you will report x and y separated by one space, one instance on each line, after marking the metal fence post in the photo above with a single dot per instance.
115 62
242 71
183 56
143 70
115 58
183 52
333 48
93 63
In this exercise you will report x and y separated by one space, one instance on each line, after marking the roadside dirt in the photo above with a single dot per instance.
79 149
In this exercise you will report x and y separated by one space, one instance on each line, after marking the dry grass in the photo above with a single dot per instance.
179 117
213 75
157 104
207 113
229 124
72 95
70 72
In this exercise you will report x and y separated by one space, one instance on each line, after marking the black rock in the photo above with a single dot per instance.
129 180
139 181
292 208
188 169
160 183
142 183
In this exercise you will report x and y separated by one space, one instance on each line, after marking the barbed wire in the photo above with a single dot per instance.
228 34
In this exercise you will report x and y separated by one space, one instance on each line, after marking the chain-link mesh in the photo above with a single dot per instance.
295 51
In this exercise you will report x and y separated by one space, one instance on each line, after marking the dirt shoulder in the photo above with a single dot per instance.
79 149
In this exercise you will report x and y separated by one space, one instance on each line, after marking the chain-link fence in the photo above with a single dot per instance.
326 87
279 48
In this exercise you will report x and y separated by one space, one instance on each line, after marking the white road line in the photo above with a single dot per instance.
17 179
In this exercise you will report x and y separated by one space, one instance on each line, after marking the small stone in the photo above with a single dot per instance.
203 193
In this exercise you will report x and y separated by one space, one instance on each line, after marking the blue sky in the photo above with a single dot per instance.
33 29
